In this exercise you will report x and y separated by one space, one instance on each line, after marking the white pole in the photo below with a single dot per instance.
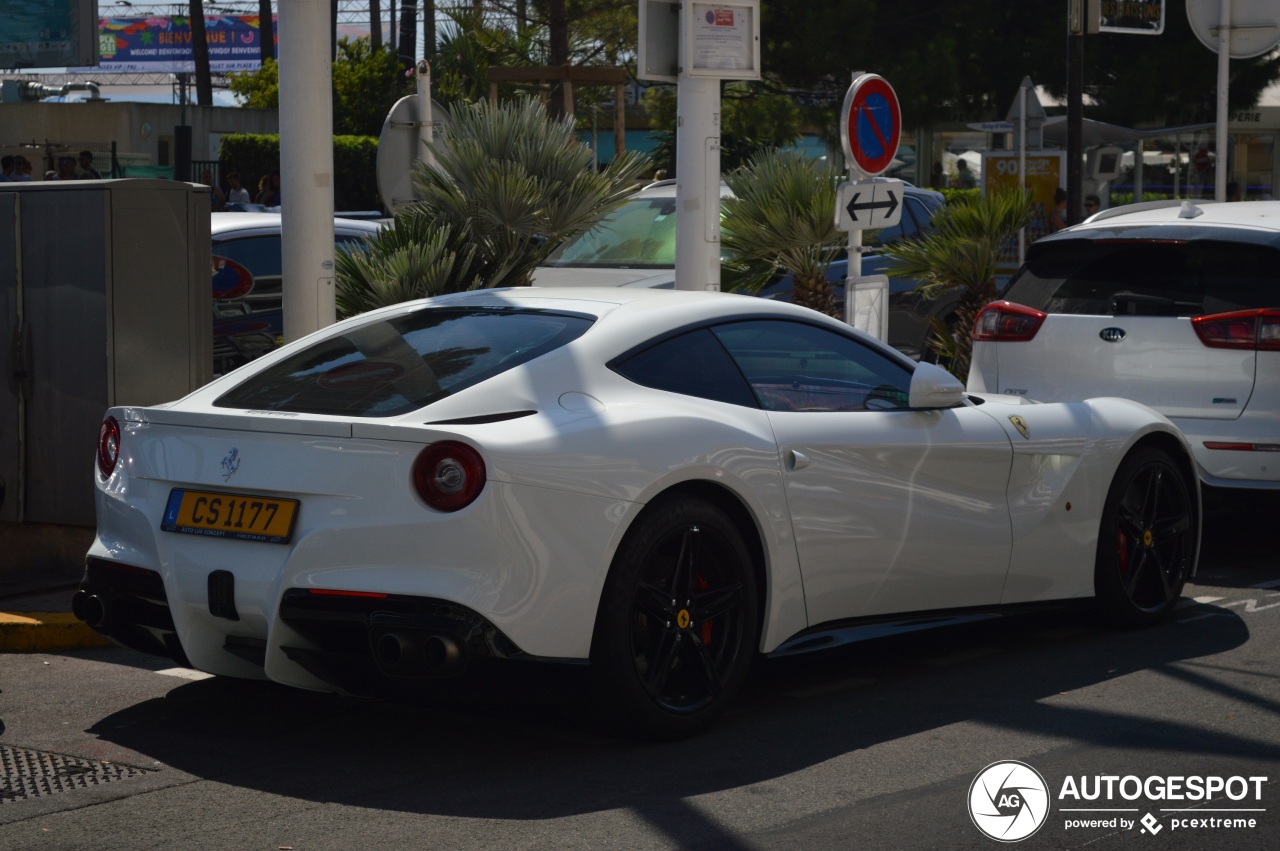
697 182
426 127
1224 60
306 166
858 304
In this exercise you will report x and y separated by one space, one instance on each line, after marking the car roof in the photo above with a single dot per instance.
223 224
667 189
1255 222
651 311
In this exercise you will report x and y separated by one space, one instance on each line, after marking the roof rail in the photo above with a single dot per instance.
1134 208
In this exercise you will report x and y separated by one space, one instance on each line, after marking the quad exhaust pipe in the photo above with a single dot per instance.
404 652
90 608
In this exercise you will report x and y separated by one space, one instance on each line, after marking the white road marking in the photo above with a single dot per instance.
185 674
1197 601
1251 605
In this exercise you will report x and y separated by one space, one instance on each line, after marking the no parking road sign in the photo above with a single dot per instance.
871 124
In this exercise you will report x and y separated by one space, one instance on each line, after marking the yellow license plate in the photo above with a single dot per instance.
230 515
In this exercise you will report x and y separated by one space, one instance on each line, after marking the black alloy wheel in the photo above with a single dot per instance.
1148 538
678 621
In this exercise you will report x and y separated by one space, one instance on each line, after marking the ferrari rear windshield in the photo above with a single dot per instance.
392 366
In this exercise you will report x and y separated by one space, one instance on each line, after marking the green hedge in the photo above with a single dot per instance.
953 195
1119 199
355 181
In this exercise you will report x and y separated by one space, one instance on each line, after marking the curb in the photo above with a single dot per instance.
34 632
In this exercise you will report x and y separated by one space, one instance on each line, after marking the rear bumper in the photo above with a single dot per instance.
357 644
365 645
1233 468
128 605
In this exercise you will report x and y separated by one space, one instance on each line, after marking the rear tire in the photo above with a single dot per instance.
1147 540
678 621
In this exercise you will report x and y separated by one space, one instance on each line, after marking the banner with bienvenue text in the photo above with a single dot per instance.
163 45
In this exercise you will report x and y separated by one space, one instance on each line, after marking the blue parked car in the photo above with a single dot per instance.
635 246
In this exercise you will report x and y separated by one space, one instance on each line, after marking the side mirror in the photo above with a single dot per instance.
934 387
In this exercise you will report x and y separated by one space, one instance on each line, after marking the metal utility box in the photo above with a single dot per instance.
104 300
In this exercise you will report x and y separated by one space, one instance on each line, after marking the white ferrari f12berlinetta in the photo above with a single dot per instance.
662 484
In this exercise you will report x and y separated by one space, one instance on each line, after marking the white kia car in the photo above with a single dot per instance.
662 484
1173 304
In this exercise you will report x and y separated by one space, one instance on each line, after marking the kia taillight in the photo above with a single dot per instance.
1006 322
1244 329
108 446
448 475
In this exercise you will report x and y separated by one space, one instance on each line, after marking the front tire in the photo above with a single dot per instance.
678 621
1147 540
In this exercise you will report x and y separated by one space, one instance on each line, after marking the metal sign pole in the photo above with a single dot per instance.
306 167
1224 80
697 183
426 134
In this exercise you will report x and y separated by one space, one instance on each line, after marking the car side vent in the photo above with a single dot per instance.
485 418
1189 211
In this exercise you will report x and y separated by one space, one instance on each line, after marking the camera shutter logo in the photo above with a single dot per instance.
1008 801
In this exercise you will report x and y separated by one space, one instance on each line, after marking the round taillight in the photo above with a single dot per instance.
449 475
108 446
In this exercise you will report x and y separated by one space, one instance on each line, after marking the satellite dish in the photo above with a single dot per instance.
1255 25
398 149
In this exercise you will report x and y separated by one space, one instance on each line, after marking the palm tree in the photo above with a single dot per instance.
518 184
969 236
782 219
508 186
413 259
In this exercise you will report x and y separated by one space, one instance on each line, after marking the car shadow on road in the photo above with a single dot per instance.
537 756
1238 549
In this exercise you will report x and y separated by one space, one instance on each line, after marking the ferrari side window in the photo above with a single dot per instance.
693 364
792 366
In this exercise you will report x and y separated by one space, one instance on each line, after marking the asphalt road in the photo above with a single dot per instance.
876 746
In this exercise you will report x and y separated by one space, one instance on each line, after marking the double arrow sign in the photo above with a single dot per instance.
868 204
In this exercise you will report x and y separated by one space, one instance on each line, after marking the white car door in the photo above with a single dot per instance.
893 510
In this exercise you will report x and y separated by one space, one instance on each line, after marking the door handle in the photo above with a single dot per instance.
796 460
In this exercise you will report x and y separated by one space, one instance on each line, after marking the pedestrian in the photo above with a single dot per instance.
6 168
264 190
217 201
964 177
236 194
66 168
1058 218
274 189
21 169
1091 205
87 171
